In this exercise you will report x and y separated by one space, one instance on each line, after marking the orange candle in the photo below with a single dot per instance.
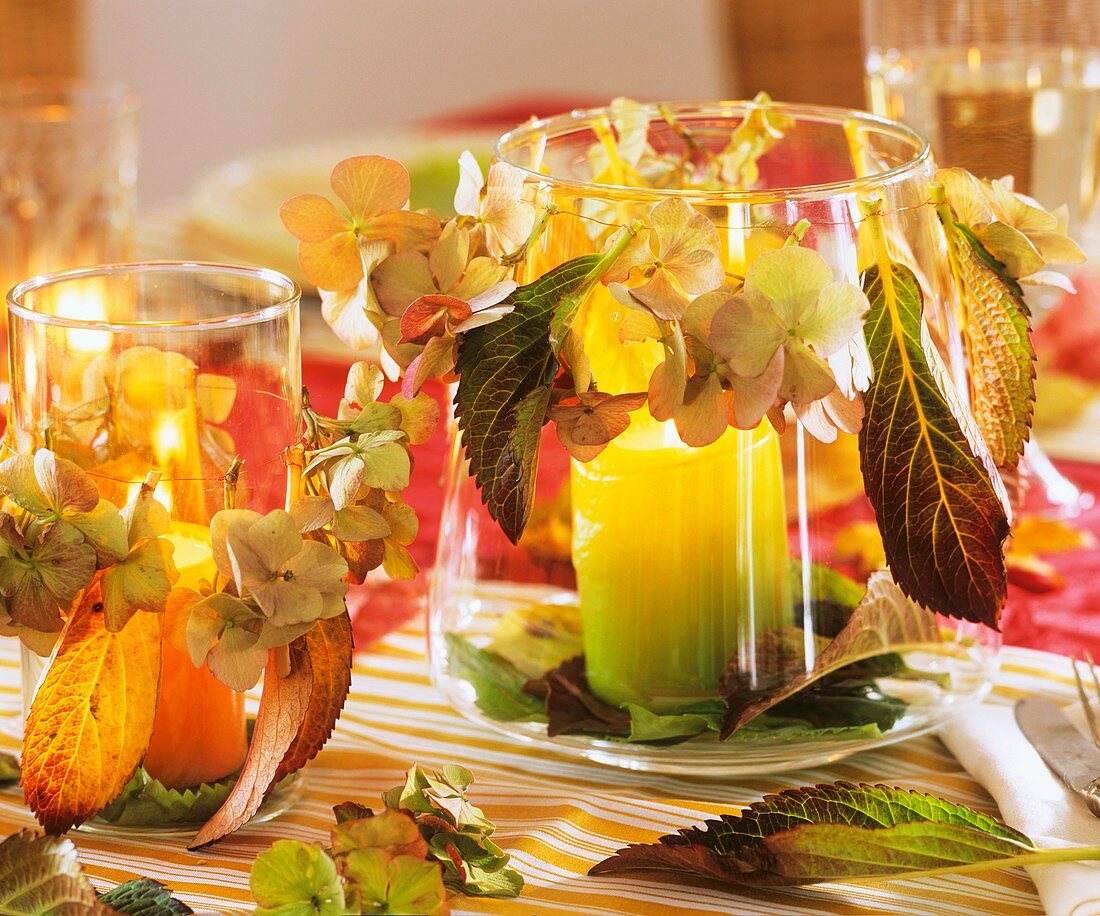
199 732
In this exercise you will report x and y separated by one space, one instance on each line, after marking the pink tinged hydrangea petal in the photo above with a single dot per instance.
481 274
747 335
286 602
704 415
815 421
428 317
312 218
669 379
790 278
806 376
699 316
260 548
405 228
754 397
436 360
1050 278
449 256
498 292
368 184
661 296
834 319
1057 248
966 196
402 278
688 246
65 486
319 566
312 512
364 384
483 316
470 183
1012 248
220 526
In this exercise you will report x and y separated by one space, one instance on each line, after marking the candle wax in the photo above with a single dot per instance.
680 553
681 561
199 733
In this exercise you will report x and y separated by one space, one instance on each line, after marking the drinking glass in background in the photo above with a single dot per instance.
68 173
1002 87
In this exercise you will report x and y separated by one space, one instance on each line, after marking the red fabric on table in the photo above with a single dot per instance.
1065 621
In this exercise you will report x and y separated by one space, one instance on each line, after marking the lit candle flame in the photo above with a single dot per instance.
974 59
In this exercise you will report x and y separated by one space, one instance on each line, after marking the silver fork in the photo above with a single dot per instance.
1092 715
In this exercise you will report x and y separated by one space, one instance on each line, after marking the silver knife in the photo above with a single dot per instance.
1071 756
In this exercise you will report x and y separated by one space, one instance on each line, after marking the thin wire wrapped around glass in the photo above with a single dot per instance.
185 377
660 585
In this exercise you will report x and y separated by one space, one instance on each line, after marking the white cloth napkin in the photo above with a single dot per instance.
989 744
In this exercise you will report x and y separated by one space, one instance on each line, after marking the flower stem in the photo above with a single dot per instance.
295 462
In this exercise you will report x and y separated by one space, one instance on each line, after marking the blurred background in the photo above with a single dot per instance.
219 80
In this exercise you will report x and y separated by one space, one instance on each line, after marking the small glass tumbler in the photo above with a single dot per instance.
68 174
193 372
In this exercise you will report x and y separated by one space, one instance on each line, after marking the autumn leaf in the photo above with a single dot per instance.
941 517
283 705
42 875
92 718
836 832
571 706
997 332
144 897
885 620
329 646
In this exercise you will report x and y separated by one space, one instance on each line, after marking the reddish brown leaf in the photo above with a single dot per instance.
92 718
283 705
329 645
571 706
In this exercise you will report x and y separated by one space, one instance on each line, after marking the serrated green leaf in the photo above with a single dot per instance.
997 331
941 518
497 683
296 879
145 801
839 831
885 621
144 897
41 876
505 370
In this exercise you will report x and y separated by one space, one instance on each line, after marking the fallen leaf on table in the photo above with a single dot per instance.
41 874
836 832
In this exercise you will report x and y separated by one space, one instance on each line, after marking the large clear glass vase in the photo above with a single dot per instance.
666 567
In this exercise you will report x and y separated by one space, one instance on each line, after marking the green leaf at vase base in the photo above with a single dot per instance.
146 802
498 684
837 832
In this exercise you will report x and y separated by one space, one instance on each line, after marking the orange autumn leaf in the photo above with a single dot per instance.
283 705
329 646
374 190
92 718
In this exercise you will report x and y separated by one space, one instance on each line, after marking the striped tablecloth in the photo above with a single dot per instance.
554 815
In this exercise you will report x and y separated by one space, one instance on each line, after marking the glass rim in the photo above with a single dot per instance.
91 98
281 305
580 118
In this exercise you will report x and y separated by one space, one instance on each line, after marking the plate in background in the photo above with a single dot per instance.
233 210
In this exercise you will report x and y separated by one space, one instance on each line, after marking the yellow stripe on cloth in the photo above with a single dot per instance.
555 815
